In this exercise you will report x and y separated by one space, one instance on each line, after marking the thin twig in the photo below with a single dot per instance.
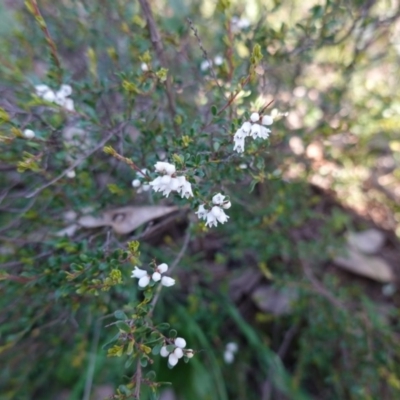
158 47
79 161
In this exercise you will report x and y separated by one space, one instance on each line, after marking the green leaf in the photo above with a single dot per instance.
214 110
119 314
156 349
110 343
173 333
163 325
143 362
123 326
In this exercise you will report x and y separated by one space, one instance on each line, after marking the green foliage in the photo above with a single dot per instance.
70 306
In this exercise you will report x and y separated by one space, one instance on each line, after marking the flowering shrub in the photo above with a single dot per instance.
155 178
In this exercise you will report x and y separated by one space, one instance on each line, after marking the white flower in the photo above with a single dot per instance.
185 188
255 131
144 67
254 117
202 212
230 350
205 65
167 281
71 174
189 353
219 214
161 269
180 342
60 97
165 168
138 273
177 352
173 360
218 60
267 120
227 205
29 134
136 183
264 132
246 127
239 134
239 23
211 220
239 145
144 281
218 198
164 352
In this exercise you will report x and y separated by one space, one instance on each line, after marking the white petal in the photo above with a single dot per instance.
254 117
211 220
164 352
144 67
65 90
156 276
145 188
144 281
165 167
186 190
173 360
180 342
138 273
205 65
69 105
41 89
174 184
178 352
48 96
267 120
218 60
165 180
264 132
29 134
167 281
217 211
70 174
162 268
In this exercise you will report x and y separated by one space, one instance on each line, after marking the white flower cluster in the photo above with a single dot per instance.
229 353
168 182
138 182
216 214
60 97
206 64
252 128
239 24
144 277
176 351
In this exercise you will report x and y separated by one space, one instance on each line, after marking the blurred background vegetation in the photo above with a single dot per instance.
303 277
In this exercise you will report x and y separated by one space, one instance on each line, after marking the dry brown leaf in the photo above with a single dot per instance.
126 219
372 267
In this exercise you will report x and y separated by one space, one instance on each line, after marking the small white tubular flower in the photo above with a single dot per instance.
255 131
201 212
49 96
156 276
267 120
173 360
205 65
239 145
239 134
156 184
144 67
229 357
145 188
254 117
138 273
167 281
144 281
68 104
41 90
164 352
71 174
246 128
189 353
264 132
180 342
226 205
186 190
218 60
219 214
65 91
218 198
178 352
136 183
232 347
29 134
211 220
165 168
162 268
